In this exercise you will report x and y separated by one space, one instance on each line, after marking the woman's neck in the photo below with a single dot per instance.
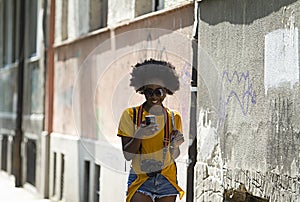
154 109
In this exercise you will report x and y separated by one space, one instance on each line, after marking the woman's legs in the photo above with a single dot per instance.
166 199
139 197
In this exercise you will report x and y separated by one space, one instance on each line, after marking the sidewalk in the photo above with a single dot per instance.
8 192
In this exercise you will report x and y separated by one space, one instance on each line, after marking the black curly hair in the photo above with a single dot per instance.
154 72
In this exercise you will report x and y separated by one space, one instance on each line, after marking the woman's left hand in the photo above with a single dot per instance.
176 138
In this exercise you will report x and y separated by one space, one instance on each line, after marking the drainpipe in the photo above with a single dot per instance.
17 157
50 71
192 152
49 89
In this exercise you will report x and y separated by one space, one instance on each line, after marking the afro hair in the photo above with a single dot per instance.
154 72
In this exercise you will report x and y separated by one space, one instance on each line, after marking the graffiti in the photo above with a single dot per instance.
238 87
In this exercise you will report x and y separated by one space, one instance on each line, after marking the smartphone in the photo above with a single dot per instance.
150 119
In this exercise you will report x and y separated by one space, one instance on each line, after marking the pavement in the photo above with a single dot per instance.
10 193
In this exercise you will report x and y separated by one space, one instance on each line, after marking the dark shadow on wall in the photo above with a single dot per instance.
238 11
241 195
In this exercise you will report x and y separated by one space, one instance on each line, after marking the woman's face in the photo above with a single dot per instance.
154 94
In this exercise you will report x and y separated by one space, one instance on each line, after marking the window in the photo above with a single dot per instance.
4 31
58 176
8 31
15 31
86 180
31 161
31 30
54 174
98 14
147 6
97 183
4 151
64 20
157 5
62 176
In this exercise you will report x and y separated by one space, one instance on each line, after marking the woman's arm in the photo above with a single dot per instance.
131 145
175 152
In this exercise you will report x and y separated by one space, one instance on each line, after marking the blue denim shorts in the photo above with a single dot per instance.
155 187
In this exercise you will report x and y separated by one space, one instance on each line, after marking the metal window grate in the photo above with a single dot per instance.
4 152
86 180
30 161
54 174
97 183
62 171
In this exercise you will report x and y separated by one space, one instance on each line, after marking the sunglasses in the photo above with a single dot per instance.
159 92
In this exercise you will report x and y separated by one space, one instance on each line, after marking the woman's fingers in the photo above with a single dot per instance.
177 139
148 130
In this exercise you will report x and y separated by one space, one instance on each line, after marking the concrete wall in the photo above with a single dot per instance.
248 99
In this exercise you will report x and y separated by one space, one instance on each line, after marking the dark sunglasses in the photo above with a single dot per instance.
159 92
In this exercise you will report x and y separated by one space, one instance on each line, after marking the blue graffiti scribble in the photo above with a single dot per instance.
244 84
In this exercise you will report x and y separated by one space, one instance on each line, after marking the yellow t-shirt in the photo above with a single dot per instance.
152 148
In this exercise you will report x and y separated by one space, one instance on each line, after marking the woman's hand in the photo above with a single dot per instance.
176 138
145 131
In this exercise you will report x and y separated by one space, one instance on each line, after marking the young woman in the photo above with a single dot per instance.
152 146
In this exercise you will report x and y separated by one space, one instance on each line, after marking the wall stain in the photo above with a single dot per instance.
284 138
152 48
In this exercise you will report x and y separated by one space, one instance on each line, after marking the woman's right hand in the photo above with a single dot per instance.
146 130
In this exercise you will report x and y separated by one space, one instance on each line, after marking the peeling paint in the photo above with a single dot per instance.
209 167
281 58
208 138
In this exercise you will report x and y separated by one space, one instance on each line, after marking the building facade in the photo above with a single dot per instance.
48 140
95 45
22 71
64 81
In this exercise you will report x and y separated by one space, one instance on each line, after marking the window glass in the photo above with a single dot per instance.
98 14
32 27
64 20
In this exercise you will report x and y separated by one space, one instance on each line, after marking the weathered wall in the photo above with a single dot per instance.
249 128
73 16
92 89
70 60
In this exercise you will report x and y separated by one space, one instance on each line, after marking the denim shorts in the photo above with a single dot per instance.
155 187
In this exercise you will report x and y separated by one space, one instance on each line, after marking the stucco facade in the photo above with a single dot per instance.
91 90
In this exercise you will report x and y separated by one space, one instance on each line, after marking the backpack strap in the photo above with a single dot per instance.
137 117
134 115
166 128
